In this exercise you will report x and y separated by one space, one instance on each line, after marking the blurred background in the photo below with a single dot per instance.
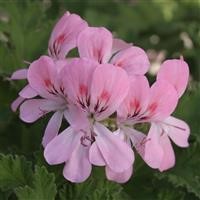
164 28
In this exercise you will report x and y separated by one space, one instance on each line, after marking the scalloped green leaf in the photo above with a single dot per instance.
43 186
14 171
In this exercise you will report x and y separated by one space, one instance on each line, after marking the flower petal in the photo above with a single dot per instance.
28 92
116 153
168 160
95 43
119 44
133 59
163 100
109 87
52 128
78 168
176 72
77 78
16 103
76 117
19 74
153 149
42 76
177 130
95 156
64 35
121 177
136 101
31 110
60 64
60 149
138 139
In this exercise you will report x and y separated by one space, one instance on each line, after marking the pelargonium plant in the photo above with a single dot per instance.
105 82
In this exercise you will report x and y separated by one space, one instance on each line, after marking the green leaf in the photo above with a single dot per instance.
26 31
42 188
186 174
14 171
5 195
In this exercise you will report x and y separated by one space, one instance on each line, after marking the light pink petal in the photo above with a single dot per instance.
121 177
110 86
153 149
60 149
119 44
76 77
116 153
168 160
76 117
95 156
121 133
133 59
138 139
19 74
42 76
64 35
31 110
52 128
176 72
60 64
95 43
78 168
16 103
163 100
28 92
177 130
137 100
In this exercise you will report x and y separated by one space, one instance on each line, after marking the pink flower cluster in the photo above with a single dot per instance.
106 82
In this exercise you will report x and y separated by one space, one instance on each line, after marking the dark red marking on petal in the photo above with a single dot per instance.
135 104
119 64
60 39
47 83
144 118
80 101
88 101
97 105
105 95
83 89
55 50
97 54
152 107
103 109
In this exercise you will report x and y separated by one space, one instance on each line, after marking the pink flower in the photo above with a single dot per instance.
98 90
64 35
63 39
98 44
154 105
44 78
67 148
107 78
144 103
177 130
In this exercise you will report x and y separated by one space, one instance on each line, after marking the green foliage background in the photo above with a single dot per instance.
170 26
